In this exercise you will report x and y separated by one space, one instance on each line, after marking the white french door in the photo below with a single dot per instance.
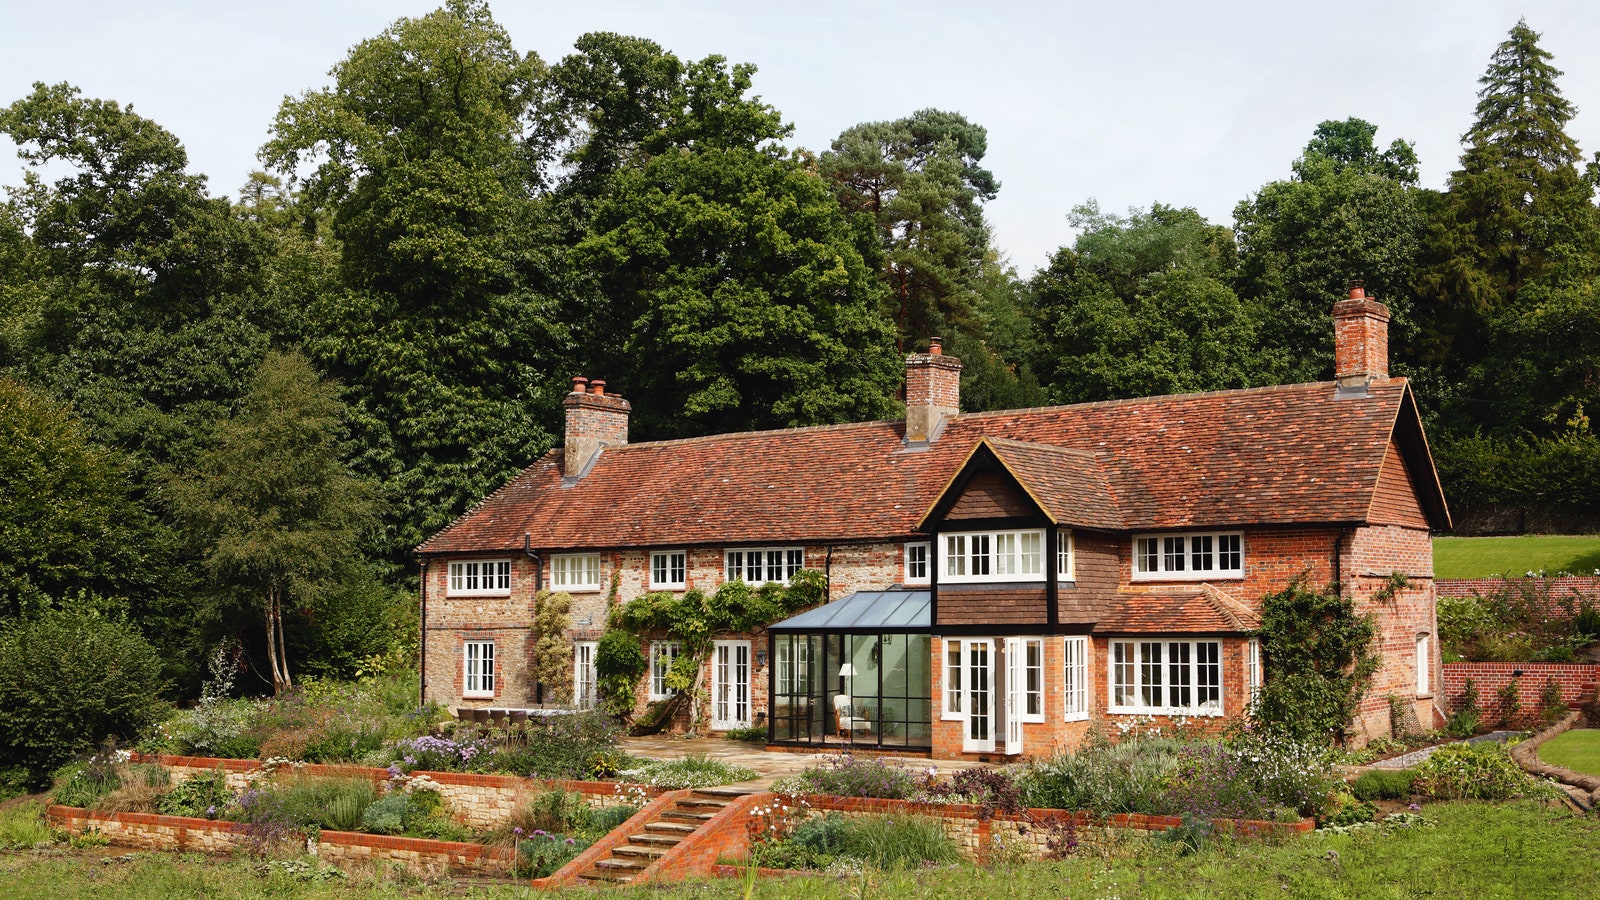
583 674
979 677
730 685
1016 675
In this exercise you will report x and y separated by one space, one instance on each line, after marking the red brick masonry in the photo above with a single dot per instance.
1577 682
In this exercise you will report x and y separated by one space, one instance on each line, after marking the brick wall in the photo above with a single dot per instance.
1558 596
1578 684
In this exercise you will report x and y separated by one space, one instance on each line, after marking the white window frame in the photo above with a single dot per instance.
1031 696
912 551
669 570
1066 557
731 668
1424 663
584 677
662 654
951 705
991 556
1179 556
477 669
1075 678
1143 673
754 565
1252 668
575 572
479 578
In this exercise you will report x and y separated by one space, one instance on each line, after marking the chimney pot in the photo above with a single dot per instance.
578 383
935 346
1358 289
597 387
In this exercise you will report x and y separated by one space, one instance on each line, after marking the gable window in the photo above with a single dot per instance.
1188 556
668 570
662 653
1075 681
575 572
477 669
480 577
917 563
1173 677
759 565
994 556
1064 570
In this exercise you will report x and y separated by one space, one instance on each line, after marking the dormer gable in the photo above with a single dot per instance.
1006 480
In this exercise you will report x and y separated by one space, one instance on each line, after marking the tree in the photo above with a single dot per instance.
736 298
280 514
68 520
919 182
1349 212
1141 306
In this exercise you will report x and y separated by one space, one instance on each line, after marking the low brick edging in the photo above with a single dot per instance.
1526 755
1578 683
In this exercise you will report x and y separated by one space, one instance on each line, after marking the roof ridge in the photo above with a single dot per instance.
728 435
1129 401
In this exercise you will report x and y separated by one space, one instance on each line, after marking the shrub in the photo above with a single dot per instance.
1510 697
140 789
850 776
336 804
563 746
560 811
221 728
83 784
1250 778
439 754
618 662
420 813
1319 660
1348 810
1465 721
1551 706
1124 778
1471 772
544 854
203 796
991 790
1384 784
895 842
68 680
755 734
688 772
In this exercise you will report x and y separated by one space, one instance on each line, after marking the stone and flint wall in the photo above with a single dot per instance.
1578 682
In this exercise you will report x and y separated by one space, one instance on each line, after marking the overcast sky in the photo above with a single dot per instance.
1186 103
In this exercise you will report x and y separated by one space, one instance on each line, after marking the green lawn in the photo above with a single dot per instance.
1483 557
1517 850
1578 750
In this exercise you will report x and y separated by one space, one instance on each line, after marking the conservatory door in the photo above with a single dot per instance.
978 736
730 685
1016 673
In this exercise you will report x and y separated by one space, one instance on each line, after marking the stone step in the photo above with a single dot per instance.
702 803
612 864
723 794
685 816
639 852
656 840
669 828
604 877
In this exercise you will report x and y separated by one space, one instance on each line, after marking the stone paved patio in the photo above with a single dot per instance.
768 764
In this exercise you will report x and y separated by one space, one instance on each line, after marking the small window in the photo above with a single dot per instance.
662 653
917 563
1252 668
477 669
952 679
1192 557
480 577
668 570
1033 679
1075 681
1424 660
1064 560
760 565
575 572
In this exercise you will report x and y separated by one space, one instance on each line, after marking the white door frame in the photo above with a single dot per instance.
730 685
584 677
977 726
1016 681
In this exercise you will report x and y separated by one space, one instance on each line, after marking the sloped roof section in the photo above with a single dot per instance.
866 611
1070 484
1202 609
1279 455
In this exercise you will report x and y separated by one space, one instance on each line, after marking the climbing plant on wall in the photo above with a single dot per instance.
1319 662
552 656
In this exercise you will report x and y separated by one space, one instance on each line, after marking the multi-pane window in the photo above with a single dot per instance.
584 677
759 565
480 577
1252 668
1188 556
668 570
994 556
1075 681
952 679
1064 570
1033 679
477 669
662 653
917 563
1166 677
575 572
1424 683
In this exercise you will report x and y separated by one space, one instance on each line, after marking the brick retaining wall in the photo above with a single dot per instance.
1556 596
1578 683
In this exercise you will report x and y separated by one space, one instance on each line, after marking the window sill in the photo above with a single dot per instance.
473 696
1427 696
1076 717
1189 576
1174 712
477 594
579 589
667 587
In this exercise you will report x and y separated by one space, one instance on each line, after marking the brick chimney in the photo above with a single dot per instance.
1360 339
595 419
933 391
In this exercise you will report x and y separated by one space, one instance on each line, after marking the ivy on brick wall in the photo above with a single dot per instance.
552 657
1319 662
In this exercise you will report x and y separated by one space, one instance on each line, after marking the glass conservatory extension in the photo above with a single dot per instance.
854 673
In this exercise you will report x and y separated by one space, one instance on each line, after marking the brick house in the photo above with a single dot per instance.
998 582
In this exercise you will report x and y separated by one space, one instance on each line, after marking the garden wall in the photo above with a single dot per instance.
477 801
1578 684
154 832
1566 593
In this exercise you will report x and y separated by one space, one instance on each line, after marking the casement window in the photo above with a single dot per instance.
1171 677
1193 557
1064 560
993 556
584 676
917 563
1032 679
480 578
759 565
1075 678
953 694
1424 682
477 669
668 570
1252 668
575 572
662 653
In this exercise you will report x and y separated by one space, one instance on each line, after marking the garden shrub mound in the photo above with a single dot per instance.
1483 771
1384 784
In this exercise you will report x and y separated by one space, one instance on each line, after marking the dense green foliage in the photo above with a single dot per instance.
1522 620
1319 659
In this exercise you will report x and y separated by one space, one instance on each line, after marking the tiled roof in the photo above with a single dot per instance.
1202 609
1070 484
1279 455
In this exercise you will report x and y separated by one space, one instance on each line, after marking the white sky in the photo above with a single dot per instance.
1187 103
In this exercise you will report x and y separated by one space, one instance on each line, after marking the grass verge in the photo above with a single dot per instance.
1578 750
1485 557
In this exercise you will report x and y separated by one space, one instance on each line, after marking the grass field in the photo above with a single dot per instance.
1476 850
1578 750
1483 557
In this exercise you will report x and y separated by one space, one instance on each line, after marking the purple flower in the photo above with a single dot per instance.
211 811
1414 807
571 841
517 830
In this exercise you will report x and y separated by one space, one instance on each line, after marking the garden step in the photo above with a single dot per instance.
624 866
640 852
702 803
726 795
606 877
657 840
669 828
687 816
